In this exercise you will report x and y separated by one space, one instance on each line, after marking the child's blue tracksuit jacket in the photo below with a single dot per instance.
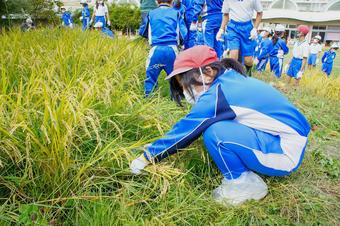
246 125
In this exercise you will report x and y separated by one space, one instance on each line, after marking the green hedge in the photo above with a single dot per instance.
125 17
122 17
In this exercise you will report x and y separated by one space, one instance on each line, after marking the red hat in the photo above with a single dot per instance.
194 57
303 29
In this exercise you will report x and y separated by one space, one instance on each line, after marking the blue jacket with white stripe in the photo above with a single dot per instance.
67 18
245 100
208 9
163 26
280 44
266 46
85 13
328 57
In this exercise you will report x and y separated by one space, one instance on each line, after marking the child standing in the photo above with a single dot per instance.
165 28
315 48
328 59
266 46
101 13
85 15
210 10
297 64
279 50
241 30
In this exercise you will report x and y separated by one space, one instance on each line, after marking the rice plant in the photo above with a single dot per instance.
73 115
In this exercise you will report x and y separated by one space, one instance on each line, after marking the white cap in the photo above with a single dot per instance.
280 27
83 2
334 46
318 37
98 24
29 20
268 29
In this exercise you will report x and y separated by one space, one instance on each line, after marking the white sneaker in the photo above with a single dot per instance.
234 192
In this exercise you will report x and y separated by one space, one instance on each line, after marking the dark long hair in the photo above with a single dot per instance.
97 4
191 77
276 36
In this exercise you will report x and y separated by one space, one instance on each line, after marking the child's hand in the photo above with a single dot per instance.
219 35
253 34
299 75
138 165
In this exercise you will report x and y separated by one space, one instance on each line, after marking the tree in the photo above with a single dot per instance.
37 9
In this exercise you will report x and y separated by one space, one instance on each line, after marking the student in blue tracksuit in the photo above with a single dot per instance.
328 59
85 15
266 46
241 30
314 50
66 17
279 49
165 29
296 66
100 13
247 125
210 10
192 30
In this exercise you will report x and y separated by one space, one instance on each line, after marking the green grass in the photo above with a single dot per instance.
72 115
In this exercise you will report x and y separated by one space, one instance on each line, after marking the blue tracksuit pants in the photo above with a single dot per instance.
86 22
211 26
160 58
191 36
276 65
234 149
327 68
261 65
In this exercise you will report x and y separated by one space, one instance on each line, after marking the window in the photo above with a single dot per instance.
334 7
284 4
319 27
292 34
322 34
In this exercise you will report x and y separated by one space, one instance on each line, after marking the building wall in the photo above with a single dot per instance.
302 5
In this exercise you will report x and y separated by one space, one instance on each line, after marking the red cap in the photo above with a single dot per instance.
303 29
194 57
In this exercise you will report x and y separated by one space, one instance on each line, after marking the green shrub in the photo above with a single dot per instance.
125 17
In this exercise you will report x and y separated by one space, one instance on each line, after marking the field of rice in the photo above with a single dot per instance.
73 115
